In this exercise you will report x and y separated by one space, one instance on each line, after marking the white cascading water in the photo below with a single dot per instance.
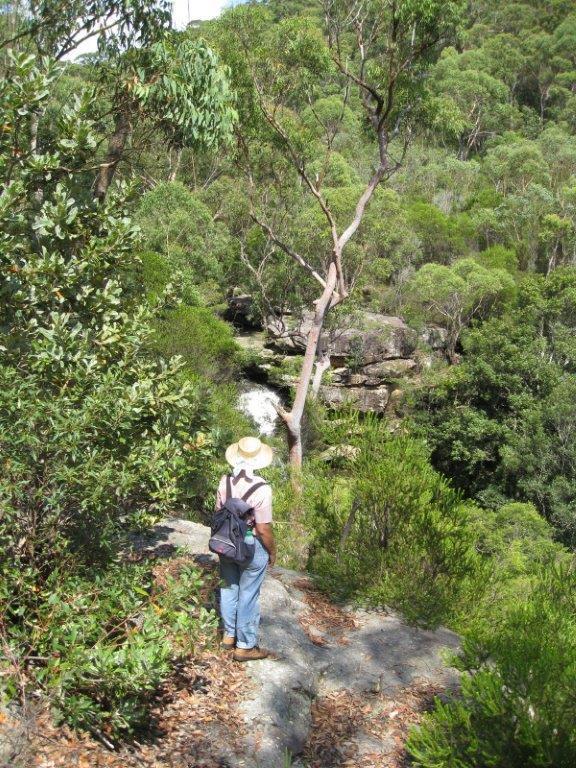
258 404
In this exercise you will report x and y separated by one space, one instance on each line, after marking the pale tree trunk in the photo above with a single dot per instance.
116 145
322 365
174 164
38 195
293 418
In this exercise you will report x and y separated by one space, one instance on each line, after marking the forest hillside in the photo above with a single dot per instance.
349 226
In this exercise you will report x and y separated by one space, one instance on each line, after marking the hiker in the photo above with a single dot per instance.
240 595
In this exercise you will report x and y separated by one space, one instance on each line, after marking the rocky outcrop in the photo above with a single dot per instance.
242 313
367 359
323 652
372 339
365 399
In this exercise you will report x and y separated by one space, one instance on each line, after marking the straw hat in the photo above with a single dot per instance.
250 451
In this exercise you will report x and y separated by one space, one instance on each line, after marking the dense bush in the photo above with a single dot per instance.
161 282
97 435
205 343
93 428
501 424
99 643
394 531
516 708
177 224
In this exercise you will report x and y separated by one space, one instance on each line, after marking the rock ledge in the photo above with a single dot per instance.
371 652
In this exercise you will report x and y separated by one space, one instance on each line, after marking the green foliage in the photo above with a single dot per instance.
515 709
469 104
93 429
441 240
501 424
58 26
516 545
498 257
103 641
456 295
180 85
394 532
97 435
174 222
205 343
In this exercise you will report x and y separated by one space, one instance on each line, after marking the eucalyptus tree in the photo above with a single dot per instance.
456 295
371 56
176 85
55 28
142 73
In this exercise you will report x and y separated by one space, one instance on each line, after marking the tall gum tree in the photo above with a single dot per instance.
372 56
144 74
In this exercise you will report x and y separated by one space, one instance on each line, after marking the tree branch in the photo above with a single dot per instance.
289 251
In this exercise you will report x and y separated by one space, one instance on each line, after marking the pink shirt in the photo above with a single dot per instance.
261 499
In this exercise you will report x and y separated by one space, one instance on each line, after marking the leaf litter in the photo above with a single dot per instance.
324 621
193 719
368 731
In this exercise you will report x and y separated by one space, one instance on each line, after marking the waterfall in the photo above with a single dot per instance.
258 404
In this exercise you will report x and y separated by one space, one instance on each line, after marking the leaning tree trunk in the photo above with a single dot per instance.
116 145
293 419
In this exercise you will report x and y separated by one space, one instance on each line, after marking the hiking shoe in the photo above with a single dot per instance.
251 654
228 643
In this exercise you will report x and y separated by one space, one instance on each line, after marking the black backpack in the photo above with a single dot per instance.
230 524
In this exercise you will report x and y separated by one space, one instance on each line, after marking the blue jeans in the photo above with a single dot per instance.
240 597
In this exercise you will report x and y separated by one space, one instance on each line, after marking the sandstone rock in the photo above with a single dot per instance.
242 313
377 652
390 369
363 398
355 379
395 405
377 338
374 338
435 336
287 334
377 373
344 451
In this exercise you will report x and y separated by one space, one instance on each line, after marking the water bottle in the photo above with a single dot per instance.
249 536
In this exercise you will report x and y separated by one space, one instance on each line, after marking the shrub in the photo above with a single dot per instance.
205 343
156 274
96 435
98 644
395 532
516 708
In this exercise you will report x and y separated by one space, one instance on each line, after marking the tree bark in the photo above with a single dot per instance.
174 164
116 145
348 525
38 195
293 419
322 365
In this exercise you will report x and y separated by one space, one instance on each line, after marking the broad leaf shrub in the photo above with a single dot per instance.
104 640
96 434
392 531
517 707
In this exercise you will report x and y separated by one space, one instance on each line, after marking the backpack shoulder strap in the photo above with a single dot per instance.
228 487
253 488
